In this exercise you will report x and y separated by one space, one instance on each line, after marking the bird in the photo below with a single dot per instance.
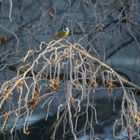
62 34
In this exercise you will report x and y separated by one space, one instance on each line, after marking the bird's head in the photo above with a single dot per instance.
66 29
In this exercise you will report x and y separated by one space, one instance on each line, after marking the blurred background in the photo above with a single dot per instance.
108 30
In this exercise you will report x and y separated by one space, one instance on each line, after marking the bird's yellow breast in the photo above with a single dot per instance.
62 34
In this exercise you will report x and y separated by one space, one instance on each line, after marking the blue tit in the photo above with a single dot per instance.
62 34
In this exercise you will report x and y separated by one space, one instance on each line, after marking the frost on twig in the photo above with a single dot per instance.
66 71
